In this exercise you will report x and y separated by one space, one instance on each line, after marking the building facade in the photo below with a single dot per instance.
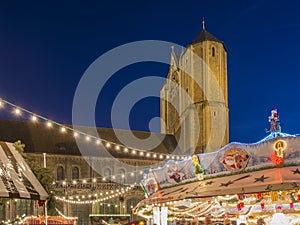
80 178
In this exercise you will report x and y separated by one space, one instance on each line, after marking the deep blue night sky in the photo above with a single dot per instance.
46 46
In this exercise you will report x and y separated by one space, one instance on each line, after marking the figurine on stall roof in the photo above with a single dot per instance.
274 121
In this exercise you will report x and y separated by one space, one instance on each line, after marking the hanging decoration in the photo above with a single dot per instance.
94 198
110 146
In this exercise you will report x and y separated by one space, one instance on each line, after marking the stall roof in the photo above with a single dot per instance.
16 178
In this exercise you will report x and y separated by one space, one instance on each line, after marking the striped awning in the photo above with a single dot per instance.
17 179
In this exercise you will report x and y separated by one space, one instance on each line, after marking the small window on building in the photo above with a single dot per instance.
75 173
215 113
213 51
60 173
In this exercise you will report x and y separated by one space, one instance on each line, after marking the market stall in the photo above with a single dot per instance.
241 182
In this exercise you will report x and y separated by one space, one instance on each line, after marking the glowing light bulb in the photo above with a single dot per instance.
87 138
117 147
34 118
63 129
17 111
107 145
125 149
133 152
49 124
75 134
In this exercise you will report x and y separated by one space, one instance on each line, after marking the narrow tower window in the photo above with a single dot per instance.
213 51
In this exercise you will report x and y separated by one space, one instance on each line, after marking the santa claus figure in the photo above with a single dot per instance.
274 121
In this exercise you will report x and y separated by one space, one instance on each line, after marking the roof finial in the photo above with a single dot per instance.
203 24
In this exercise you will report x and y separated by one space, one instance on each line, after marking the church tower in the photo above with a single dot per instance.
194 99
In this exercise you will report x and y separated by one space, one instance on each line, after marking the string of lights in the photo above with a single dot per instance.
94 198
19 111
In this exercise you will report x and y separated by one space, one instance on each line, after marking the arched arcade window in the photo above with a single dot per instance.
75 173
60 173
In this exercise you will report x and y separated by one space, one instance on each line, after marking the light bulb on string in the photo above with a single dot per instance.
33 118
49 124
63 129
17 111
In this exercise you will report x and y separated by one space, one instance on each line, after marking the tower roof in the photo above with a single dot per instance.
205 36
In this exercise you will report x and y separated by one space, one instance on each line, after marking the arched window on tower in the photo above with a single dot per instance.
213 51
60 173
75 173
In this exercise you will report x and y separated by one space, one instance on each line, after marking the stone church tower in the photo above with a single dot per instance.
194 100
